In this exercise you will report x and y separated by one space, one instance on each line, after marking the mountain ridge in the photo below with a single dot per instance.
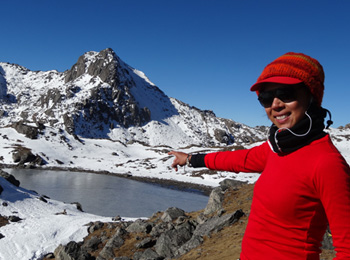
103 97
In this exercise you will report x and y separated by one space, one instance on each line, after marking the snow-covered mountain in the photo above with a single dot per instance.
103 97
104 115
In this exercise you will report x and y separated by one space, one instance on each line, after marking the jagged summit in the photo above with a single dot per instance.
104 64
103 97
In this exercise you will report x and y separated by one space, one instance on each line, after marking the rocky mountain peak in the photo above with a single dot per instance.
102 64
103 97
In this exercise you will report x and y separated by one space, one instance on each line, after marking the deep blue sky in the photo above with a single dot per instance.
205 53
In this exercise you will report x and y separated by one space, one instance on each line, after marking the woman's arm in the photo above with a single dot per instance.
333 184
247 160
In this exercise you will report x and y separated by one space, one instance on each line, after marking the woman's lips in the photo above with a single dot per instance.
282 118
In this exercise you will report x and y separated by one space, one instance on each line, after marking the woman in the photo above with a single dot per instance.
304 182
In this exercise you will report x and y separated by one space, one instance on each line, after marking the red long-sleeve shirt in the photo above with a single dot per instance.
293 199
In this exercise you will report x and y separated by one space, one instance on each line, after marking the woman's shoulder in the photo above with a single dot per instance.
324 152
324 145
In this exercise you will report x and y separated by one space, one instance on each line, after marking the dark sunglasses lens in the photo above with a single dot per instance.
286 95
266 98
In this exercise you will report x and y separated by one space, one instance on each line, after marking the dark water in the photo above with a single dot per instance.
107 195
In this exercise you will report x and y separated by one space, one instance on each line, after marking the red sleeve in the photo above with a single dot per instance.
333 185
247 160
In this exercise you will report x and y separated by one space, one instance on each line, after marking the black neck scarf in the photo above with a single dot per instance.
310 128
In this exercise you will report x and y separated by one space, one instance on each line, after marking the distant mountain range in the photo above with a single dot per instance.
103 97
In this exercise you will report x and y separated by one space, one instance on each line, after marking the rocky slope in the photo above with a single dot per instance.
215 232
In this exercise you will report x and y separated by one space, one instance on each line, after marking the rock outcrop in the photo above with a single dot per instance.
166 235
109 104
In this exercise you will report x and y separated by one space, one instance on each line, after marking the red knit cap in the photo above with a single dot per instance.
294 68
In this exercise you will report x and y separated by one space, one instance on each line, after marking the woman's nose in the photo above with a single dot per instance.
277 103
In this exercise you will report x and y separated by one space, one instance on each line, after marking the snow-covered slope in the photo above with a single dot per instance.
102 97
42 225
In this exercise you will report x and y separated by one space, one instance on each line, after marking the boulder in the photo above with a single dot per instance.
139 226
26 129
223 137
148 254
10 178
72 251
22 155
169 241
215 201
230 183
113 243
172 213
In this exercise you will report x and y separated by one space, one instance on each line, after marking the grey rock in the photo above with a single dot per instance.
43 199
115 242
92 243
194 242
201 218
137 255
223 137
23 155
117 218
139 226
160 228
28 130
14 218
215 201
148 254
78 205
76 71
172 213
216 223
230 183
95 226
169 241
72 251
327 242
10 178
145 243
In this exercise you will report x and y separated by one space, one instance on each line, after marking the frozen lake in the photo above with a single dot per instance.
107 195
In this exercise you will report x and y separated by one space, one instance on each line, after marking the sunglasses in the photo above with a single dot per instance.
285 94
